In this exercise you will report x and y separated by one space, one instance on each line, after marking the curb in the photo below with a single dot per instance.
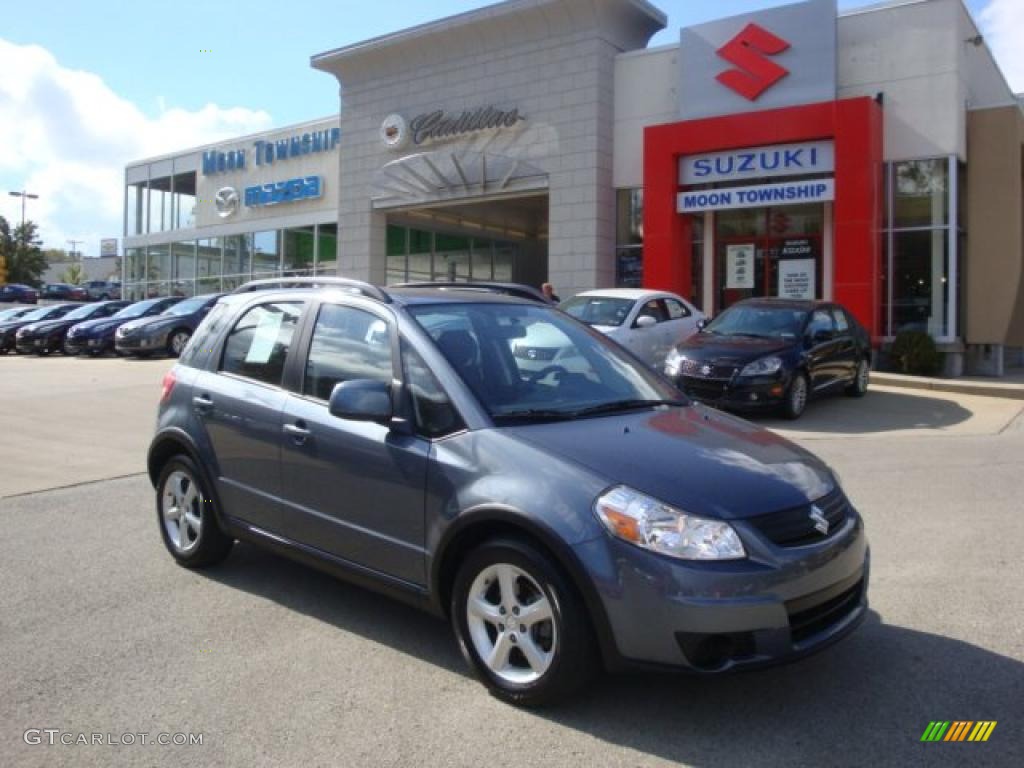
979 388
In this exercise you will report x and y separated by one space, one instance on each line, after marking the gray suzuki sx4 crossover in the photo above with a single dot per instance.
562 517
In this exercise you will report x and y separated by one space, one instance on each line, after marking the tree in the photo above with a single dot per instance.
21 251
73 274
55 255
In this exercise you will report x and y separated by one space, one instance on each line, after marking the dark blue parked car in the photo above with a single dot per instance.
19 294
9 330
95 337
558 518
48 336
168 332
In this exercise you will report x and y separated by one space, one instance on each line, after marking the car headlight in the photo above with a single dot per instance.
673 362
650 524
763 367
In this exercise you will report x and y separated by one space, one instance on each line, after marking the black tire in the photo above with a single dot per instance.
207 546
861 380
176 341
796 403
568 632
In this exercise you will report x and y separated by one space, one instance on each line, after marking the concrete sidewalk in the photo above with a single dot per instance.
1010 386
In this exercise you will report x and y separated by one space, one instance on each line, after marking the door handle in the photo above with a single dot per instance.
202 403
298 432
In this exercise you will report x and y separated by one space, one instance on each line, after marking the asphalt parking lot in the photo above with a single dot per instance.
276 664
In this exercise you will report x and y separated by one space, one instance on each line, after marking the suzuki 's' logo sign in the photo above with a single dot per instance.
749 51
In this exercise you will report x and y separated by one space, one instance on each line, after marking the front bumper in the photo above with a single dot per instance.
740 393
36 345
777 605
136 344
76 345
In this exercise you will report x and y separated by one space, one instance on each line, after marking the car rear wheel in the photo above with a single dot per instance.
796 397
184 510
859 387
176 342
521 625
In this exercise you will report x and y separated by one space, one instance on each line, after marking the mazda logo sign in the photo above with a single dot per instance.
226 201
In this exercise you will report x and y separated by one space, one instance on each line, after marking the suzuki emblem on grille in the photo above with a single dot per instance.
818 518
705 370
532 354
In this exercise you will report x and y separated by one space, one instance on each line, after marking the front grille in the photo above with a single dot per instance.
536 353
805 623
698 369
795 527
703 389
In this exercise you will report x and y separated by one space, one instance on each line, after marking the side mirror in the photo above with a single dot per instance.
645 321
703 323
361 400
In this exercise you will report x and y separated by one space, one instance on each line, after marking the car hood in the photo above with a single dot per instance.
735 349
607 329
148 323
697 459
99 324
48 326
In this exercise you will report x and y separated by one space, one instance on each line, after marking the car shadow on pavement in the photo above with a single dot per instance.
868 699
346 606
877 411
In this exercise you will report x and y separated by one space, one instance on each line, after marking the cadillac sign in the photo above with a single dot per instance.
439 125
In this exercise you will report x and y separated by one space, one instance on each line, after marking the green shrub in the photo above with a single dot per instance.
914 352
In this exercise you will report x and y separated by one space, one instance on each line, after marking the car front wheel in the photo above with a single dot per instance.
796 397
859 386
521 625
176 343
185 513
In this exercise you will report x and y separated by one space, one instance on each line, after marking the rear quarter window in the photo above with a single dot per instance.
200 347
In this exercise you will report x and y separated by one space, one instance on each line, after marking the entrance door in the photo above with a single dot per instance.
774 251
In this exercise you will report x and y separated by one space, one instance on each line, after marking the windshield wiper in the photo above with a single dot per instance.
533 414
624 405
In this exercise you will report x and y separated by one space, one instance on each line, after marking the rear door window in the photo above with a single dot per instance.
258 345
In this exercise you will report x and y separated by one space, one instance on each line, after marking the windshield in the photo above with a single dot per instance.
759 321
532 362
44 313
83 312
188 306
598 310
13 314
137 310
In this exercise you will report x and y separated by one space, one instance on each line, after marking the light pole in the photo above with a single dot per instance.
24 196
73 244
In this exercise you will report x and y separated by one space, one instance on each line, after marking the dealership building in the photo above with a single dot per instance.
872 157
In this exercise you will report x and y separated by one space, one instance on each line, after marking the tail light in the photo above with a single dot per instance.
167 386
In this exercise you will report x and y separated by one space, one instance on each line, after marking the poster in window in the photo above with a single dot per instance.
739 266
797 278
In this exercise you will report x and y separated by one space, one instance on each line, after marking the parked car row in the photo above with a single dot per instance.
91 290
148 327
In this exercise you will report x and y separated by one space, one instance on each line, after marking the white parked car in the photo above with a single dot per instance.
648 323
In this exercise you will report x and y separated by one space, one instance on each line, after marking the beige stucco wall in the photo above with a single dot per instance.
995 227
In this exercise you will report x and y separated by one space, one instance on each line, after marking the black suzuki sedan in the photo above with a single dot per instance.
773 353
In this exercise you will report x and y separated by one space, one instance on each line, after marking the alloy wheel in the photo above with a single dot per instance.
178 342
511 624
181 508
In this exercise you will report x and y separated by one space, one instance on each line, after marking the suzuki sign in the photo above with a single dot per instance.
779 57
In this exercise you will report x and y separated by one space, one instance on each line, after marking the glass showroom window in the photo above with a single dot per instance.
327 249
397 247
183 192
629 252
135 209
183 268
922 242
208 266
299 251
266 254
697 261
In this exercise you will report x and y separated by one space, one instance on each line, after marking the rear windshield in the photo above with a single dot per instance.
598 310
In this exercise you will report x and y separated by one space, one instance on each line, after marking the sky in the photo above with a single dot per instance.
88 85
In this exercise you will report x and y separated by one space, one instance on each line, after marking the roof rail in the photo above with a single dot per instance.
344 283
508 289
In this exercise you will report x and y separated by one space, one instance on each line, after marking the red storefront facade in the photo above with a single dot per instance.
855 127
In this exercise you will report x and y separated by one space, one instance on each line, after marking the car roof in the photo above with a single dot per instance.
627 293
781 303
